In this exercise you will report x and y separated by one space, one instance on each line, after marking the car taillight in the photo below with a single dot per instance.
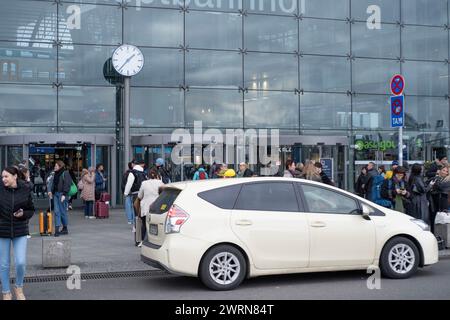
176 217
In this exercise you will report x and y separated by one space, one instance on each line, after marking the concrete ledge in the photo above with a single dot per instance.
56 252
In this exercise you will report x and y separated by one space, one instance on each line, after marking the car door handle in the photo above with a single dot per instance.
318 224
244 222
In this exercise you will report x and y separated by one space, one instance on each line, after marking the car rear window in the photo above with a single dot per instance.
223 198
165 200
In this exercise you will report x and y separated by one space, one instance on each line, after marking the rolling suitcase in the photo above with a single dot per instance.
105 197
46 222
101 210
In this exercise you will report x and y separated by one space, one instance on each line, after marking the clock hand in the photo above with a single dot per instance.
128 60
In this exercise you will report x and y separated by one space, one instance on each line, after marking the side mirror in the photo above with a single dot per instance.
365 212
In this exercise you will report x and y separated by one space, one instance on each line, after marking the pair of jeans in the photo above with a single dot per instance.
129 209
88 208
60 210
20 258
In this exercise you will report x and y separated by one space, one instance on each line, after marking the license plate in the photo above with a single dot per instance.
154 229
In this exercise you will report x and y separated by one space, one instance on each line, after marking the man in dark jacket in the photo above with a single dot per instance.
371 173
441 161
60 190
323 176
244 171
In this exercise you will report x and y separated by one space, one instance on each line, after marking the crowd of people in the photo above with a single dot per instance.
409 190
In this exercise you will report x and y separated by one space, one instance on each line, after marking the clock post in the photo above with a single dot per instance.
128 61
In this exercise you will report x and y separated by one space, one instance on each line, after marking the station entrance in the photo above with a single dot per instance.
40 152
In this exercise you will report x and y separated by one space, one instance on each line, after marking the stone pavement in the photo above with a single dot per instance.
98 245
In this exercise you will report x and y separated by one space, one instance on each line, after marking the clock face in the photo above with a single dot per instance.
128 60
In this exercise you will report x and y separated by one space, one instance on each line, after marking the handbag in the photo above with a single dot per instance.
38 180
80 185
137 207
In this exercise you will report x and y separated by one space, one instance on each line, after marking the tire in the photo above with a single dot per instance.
410 259
219 254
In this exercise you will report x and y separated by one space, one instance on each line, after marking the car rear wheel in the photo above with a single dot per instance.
223 268
399 259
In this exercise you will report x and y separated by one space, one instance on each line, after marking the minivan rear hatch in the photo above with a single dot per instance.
158 214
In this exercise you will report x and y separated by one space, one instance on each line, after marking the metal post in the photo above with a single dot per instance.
126 124
400 146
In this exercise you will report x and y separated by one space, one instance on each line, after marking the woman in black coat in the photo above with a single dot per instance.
419 207
361 183
16 208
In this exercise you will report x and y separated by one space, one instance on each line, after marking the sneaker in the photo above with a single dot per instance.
64 231
130 223
19 294
86 217
133 229
28 236
140 244
70 207
91 217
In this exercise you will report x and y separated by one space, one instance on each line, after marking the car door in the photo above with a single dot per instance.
268 220
339 235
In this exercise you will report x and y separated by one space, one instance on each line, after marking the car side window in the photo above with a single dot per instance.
268 196
224 197
321 200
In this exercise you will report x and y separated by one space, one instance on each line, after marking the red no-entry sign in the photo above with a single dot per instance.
397 85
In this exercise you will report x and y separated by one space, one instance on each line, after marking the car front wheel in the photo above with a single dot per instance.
223 268
399 259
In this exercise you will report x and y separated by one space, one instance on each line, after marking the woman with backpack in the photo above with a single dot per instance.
16 208
200 174
419 207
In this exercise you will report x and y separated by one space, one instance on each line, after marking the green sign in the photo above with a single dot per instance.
362 145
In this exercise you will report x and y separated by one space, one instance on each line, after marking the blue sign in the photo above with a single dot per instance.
41 150
327 167
397 111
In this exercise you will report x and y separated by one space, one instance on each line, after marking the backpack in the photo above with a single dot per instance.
386 189
202 175
376 192
124 180
139 177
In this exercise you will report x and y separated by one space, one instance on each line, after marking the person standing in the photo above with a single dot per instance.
60 189
371 173
129 210
88 192
361 182
244 171
323 176
289 172
134 181
100 181
439 194
148 192
16 208
200 174
440 161
416 187
162 171
310 172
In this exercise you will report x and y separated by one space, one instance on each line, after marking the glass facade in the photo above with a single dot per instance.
311 67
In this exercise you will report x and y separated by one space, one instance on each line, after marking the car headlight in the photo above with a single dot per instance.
422 224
